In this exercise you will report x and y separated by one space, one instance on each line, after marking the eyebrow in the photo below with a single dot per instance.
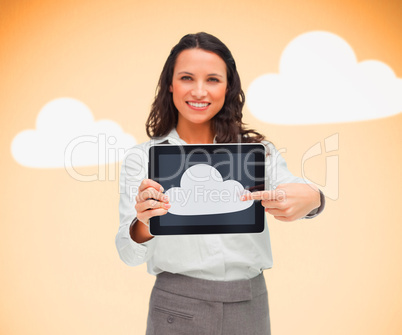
209 75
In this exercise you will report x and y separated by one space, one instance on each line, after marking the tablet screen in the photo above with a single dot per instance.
204 184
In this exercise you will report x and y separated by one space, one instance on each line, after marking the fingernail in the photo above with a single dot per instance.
243 197
167 206
165 198
161 189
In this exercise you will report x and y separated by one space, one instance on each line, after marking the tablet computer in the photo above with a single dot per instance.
204 184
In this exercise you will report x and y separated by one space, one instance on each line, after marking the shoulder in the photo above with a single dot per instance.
269 148
139 154
142 149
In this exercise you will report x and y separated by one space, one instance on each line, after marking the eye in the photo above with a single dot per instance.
186 78
213 79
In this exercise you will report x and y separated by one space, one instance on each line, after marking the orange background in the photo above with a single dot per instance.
338 274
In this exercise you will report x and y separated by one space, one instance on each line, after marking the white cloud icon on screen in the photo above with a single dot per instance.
321 81
67 135
202 191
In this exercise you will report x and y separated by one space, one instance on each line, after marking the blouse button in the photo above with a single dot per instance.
170 319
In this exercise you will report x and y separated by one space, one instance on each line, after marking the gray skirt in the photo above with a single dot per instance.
182 305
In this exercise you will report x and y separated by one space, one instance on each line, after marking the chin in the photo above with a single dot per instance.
201 122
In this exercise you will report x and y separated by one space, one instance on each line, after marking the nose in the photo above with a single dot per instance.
199 91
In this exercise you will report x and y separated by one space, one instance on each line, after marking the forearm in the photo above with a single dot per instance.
317 210
139 232
131 252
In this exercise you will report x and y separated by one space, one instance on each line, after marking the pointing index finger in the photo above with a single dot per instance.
260 195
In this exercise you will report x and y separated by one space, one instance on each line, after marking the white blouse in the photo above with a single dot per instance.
222 257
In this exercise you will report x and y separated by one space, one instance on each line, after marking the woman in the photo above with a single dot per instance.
206 284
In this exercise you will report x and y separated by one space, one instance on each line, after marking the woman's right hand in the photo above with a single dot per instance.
150 202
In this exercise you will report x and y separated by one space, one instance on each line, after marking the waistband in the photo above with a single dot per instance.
210 290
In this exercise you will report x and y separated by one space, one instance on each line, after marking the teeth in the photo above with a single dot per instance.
198 105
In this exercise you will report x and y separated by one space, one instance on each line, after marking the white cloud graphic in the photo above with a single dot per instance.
203 192
66 135
320 81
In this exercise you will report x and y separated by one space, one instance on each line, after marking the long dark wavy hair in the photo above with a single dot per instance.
227 123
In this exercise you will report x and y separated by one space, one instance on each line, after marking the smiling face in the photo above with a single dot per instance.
198 87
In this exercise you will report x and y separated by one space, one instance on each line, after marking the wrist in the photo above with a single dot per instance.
318 209
139 231
145 223
136 219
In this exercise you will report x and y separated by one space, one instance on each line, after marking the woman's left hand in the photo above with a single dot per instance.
288 202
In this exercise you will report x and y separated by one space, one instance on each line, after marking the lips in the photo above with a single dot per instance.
198 105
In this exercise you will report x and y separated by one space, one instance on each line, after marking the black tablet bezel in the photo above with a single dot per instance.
259 173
